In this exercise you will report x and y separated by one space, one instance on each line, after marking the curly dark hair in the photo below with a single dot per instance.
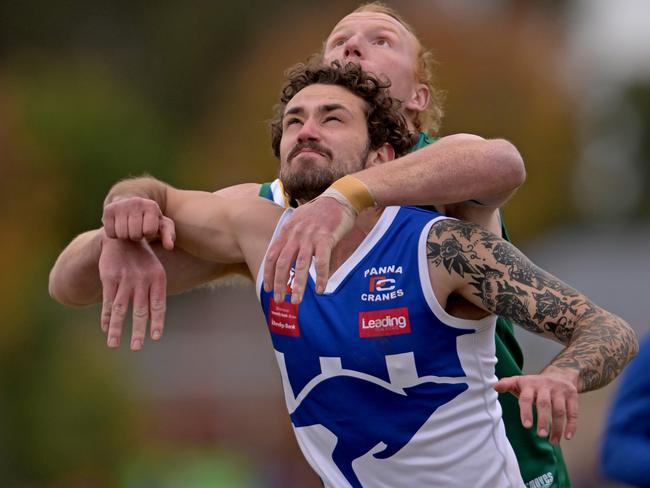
386 124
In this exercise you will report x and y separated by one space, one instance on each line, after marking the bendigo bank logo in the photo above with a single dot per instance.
391 321
283 318
382 284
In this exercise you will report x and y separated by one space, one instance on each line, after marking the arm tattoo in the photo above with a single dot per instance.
504 282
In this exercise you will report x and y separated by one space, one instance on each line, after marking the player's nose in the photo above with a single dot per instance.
309 131
352 49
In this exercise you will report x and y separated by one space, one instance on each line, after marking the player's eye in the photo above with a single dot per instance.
382 42
291 121
331 118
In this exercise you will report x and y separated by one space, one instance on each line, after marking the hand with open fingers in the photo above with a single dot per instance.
131 272
137 218
312 230
555 397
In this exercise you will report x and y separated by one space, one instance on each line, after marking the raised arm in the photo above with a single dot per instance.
76 277
207 225
463 175
457 168
93 268
493 275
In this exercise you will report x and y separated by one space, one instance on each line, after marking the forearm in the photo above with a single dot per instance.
599 348
455 169
197 222
74 279
185 271
497 277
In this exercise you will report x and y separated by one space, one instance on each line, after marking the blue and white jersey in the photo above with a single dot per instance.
383 387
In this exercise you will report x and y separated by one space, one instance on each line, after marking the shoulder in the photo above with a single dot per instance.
452 242
472 211
450 227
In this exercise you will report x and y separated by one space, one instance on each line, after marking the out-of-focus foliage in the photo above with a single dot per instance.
91 92
638 97
171 468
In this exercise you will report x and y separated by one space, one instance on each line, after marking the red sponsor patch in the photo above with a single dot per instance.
283 318
391 321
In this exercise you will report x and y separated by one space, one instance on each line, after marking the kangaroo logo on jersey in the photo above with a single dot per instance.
364 411
379 323
383 283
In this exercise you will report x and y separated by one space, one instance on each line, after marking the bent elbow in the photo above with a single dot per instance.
56 291
511 164
62 294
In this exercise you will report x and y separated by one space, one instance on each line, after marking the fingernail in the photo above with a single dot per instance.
112 342
319 289
543 433
278 298
156 335
528 424
136 344
569 436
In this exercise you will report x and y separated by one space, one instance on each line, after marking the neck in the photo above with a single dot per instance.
364 223
410 117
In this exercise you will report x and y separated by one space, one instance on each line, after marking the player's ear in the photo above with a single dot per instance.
383 153
419 100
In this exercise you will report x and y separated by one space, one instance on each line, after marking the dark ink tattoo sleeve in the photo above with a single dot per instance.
503 281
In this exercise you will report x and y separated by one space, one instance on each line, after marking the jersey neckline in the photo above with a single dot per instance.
368 243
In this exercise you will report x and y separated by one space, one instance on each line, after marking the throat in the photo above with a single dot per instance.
364 224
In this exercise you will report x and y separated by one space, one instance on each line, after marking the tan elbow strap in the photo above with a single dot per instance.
354 191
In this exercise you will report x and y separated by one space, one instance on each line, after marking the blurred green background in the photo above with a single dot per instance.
91 92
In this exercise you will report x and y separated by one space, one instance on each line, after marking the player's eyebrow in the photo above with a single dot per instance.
294 111
328 107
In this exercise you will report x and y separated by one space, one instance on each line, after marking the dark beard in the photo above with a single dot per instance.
305 185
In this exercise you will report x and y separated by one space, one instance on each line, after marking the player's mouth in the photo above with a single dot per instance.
309 148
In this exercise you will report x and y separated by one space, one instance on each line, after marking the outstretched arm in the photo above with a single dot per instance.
76 281
495 276
93 268
457 168
464 175
207 225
